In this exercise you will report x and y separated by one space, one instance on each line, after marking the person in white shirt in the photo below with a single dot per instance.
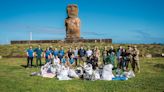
56 60
89 52
76 55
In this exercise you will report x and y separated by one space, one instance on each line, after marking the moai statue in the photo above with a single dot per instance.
72 23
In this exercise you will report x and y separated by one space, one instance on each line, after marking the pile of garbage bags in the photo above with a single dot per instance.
85 72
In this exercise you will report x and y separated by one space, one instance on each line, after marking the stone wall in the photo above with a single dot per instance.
62 41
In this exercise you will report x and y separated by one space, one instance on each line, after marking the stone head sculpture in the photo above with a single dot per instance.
72 10
72 22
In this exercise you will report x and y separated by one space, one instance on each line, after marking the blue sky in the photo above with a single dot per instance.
125 21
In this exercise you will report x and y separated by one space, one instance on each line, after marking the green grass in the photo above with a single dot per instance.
19 49
15 78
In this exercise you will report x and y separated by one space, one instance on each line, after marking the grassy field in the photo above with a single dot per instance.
15 78
18 50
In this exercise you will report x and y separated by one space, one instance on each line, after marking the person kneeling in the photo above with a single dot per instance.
71 62
56 60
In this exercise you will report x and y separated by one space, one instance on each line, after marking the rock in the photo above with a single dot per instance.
0 57
148 56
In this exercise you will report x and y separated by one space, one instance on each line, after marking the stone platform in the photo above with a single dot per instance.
67 40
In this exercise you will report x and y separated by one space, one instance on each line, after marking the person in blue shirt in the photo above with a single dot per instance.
30 55
52 51
61 53
47 55
64 60
55 52
71 61
38 52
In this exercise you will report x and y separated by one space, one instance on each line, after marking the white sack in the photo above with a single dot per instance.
72 73
107 72
63 75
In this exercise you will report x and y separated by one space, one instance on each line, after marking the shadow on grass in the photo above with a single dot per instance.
159 66
25 66
33 66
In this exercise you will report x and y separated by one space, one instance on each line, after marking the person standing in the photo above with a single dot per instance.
123 59
112 53
119 57
107 59
135 62
76 55
82 53
61 53
52 51
55 52
112 50
30 56
48 55
38 52
104 54
70 52
97 53
89 52
129 52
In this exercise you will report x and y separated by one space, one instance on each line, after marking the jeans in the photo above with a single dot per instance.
29 61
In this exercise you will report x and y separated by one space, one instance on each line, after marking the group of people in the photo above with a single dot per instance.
123 56
81 56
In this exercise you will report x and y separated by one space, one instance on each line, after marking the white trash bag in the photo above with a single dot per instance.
88 72
107 72
79 71
96 75
46 71
72 73
129 74
63 75
44 68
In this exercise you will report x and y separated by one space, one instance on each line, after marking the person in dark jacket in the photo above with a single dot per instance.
123 59
111 50
82 53
119 58
70 52
94 61
104 54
